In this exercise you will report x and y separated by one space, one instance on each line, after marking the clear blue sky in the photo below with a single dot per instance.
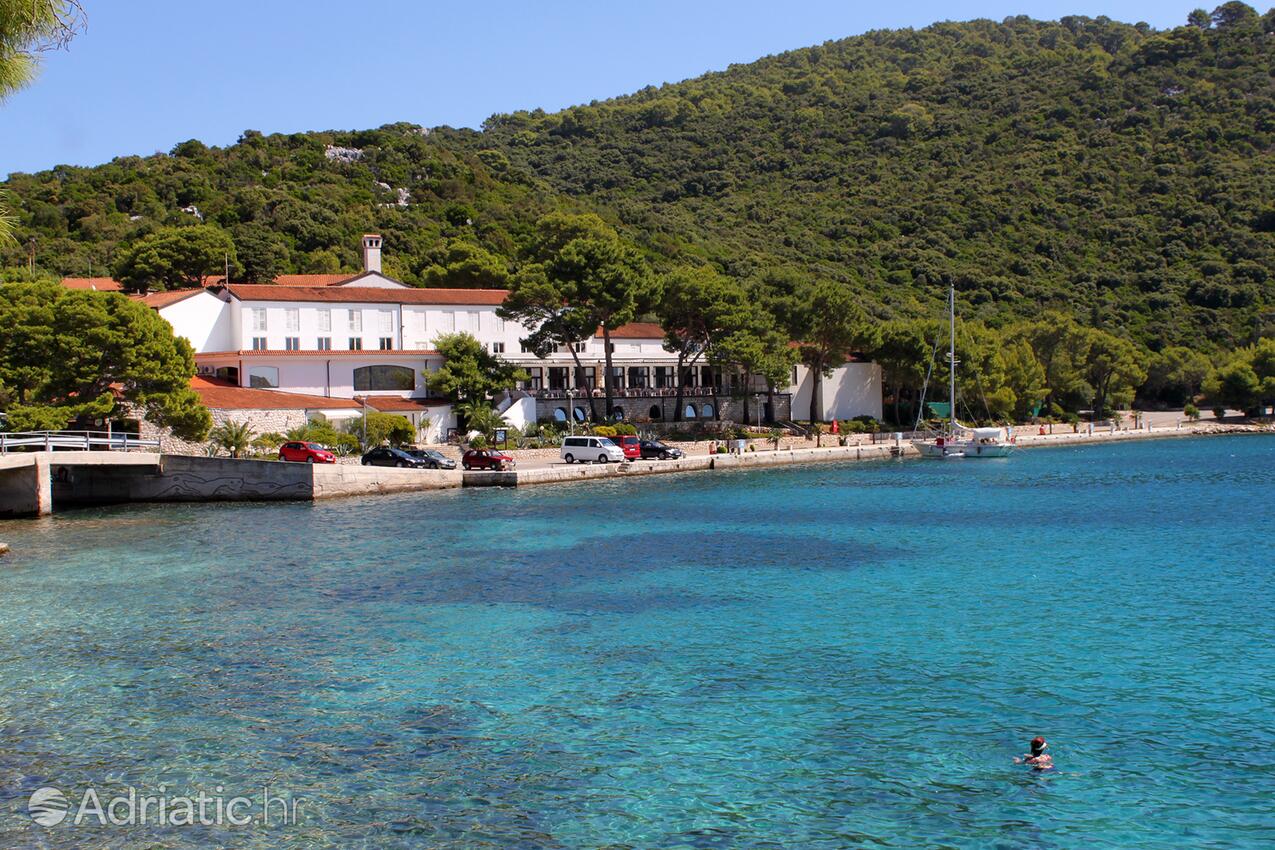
150 73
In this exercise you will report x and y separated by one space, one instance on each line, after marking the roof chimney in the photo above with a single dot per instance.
372 252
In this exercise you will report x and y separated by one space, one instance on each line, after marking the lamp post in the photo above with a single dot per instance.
571 409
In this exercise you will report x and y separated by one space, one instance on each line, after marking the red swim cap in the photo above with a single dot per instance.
1038 742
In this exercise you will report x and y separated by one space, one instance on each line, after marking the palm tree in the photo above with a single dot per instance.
481 417
234 437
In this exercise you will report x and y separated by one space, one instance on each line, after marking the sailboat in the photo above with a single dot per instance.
957 440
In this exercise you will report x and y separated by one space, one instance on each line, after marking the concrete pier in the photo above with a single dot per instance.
37 483
25 486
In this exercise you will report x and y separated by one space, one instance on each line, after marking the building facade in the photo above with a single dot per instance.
369 338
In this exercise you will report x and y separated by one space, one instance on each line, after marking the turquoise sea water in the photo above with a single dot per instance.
821 657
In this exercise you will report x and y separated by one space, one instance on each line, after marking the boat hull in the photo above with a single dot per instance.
935 451
977 450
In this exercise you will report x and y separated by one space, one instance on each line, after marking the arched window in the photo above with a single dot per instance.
689 413
706 411
580 414
617 414
656 413
384 378
559 414
263 376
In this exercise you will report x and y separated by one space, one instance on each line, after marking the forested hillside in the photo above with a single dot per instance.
1120 174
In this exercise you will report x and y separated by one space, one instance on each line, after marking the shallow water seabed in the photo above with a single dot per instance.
818 657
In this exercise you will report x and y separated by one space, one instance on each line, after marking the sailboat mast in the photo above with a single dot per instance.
951 354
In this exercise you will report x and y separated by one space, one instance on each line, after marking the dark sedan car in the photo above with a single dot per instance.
385 456
434 459
656 449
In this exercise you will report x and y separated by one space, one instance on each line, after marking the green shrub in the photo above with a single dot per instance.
1191 412
604 430
382 428
1219 412
324 434
624 429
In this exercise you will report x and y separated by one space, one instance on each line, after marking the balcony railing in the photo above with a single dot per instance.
631 392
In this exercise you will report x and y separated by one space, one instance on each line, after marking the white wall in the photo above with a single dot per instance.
203 320
375 280
377 320
853 389
521 412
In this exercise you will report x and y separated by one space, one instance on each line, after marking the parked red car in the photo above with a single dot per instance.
486 459
305 453
630 445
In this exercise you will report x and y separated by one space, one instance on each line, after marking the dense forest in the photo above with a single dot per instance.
1115 173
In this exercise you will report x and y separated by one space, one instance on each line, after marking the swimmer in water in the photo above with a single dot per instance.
1037 758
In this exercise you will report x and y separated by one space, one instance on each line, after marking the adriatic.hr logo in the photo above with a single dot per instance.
48 806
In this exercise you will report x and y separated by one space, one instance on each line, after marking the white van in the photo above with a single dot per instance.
590 449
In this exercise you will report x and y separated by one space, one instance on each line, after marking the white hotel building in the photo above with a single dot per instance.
327 346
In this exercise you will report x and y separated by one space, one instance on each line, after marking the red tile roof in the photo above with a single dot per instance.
635 330
101 284
224 395
387 404
155 300
367 295
335 352
314 279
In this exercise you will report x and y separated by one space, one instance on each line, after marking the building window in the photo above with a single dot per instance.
560 414
292 343
263 377
292 320
656 412
324 343
387 343
471 321
579 347
524 348
690 412
387 322
611 347
259 319
356 343
258 343
580 414
228 373
500 325
356 322
325 321
497 348
384 378
707 411
449 322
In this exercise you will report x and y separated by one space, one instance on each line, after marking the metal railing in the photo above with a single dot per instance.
48 441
